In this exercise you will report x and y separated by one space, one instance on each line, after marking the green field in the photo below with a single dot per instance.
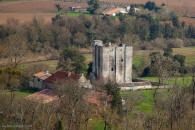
147 104
180 81
190 60
18 93
96 125
49 63
71 13
139 60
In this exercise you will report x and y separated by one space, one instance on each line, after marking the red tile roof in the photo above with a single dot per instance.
60 75
96 97
44 96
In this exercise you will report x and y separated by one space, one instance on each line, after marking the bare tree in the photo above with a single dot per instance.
72 105
193 88
15 49
164 68
130 101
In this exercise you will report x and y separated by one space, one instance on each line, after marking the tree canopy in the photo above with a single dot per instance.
71 60
94 6
151 6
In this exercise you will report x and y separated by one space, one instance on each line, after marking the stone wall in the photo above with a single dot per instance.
112 62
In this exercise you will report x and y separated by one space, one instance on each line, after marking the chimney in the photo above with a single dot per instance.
69 74
82 75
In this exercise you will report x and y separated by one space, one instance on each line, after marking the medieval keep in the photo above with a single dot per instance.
112 62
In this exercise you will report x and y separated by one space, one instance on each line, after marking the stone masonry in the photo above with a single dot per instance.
112 62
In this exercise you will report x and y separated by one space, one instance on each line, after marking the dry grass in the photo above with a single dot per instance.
35 6
26 10
28 6
189 52
25 17
187 20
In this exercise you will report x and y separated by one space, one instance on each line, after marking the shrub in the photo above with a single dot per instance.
175 43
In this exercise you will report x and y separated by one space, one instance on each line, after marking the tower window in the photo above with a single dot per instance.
112 69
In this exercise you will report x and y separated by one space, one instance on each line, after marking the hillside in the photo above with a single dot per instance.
186 7
25 10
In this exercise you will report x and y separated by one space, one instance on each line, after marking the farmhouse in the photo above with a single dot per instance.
38 79
114 11
61 76
44 80
78 9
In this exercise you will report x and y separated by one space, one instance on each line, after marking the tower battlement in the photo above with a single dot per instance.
112 62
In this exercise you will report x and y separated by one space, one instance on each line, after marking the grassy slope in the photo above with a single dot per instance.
50 63
18 93
70 13
137 60
189 52
146 106
96 125
139 57
187 80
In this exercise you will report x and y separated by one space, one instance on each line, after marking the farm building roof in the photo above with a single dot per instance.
96 97
44 96
60 75
111 11
48 96
42 75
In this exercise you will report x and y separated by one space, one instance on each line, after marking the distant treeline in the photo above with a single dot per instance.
142 32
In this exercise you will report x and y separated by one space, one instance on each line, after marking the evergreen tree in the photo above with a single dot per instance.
71 60
114 90
180 59
58 6
155 31
168 31
175 21
94 6
190 32
150 5
168 52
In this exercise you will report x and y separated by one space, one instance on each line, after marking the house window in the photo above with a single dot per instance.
121 60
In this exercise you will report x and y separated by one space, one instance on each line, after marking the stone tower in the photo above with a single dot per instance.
112 62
